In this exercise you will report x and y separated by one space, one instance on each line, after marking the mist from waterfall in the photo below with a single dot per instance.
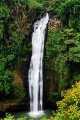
35 76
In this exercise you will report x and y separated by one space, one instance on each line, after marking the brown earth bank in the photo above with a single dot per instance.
11 105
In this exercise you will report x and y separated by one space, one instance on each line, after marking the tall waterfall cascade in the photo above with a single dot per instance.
35 75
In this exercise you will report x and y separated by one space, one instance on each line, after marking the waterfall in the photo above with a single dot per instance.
35 76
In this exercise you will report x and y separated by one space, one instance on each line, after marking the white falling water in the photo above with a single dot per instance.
36 66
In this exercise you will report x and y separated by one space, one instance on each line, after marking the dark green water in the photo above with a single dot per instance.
46 113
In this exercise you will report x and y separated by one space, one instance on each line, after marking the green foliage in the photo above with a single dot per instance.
16 19
63 45
53 36
1 32
11 117
4 12
69 12
72 41
76 77
44 118
6 78
54 96
62 51
69 106
14 39
34 3
66 10
53 5
18 92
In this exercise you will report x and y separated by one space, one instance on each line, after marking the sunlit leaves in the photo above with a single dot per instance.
69 106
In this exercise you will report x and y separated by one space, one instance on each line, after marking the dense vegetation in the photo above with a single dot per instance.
62 57
15 30
62 46
69 106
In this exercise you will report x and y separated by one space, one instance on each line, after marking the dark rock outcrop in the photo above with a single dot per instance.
54 23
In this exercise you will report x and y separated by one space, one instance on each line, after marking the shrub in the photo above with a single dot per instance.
6 78
67 11
44 118
11 117
18 92
69 106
